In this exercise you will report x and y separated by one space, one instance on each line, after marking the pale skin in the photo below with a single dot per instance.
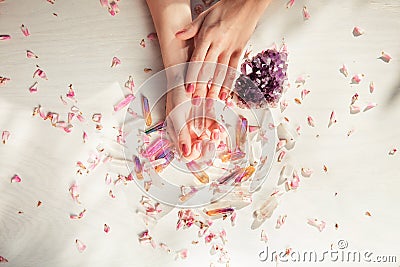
218 35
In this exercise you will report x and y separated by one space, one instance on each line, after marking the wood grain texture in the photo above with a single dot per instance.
77 47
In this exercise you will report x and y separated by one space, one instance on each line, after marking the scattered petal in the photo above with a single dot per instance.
16 179
182 254
152 36
84 136
80 246
111 194
106 228
306 14
354 109
344 71
264 236
297 101
325 168
39 203
96 117
33 88
3 80
367 213
371 87
320 225
300 80
30 54
357 31
77 216
350 132
147 70
143 43
5 136
145 238
104 3
310 121
4 37
369 106
40 73
284 103
73 190
290 3
332 119
115 62
113 8
130 84
25 30
71 93
354 98
128 99
304 93
306 172
281 156
3 260
385 57
357 78
280 221
392 151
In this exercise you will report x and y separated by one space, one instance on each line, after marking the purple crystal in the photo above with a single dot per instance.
262 79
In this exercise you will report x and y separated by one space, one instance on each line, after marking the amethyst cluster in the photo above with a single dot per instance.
262 79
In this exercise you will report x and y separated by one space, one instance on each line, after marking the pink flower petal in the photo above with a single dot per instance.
40 73
25 30
84 136
357 78
392 152
113 8
354 98
16 179
106 228
3 260
369 106
30 54
182 254
320 225
332 119
77 216
280 221
310 121
104 3
284 103
300 80
115 62
290 3
128 99
343 70
350 132
4 37
145 238
304 93
111 194
281 156
357 31
33 88
385 57
306 14
371 87
3 80
306 172
74 191
264 236
152 36
80 245
71 93
5 135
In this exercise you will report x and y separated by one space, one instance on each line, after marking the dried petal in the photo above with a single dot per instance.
371 87
25 30
369 106
297 101
74 191
290 3
16 179
310 121
304 93
264 236
284 103
325 168
3 80
145 238
357 31
77 216
33 88
147 70
111 194
220 211
71 93
84 136
332 119
106 228
280 221
124 102
104 3
306 14
320 225
115 62
306 172
354 98
4 37
39 203
30 54
3 260
344 71
357 78
143 43
40 73
113 8
152 36
392 151
130 84
354 109
367 213
5 136
96 117
80 245
281 156
385 57
182 254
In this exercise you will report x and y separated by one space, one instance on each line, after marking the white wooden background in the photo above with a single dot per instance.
76 47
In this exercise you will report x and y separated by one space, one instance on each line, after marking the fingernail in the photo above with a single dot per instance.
185 149
196 100
190 88
181 31
222 96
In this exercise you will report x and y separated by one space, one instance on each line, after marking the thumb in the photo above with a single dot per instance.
190 30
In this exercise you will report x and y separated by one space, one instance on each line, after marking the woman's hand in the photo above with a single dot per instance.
220 35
